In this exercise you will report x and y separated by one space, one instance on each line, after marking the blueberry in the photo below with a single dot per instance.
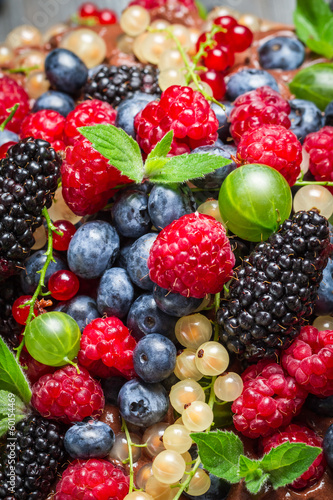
143 404
137 261
115 293
93 249
321 406
81 308
167 203
111 387
145 317
122 258
249 79
174 303
328 446
65 70
223 119
281 52
154 358
129 108
214 179
324 303
219 489
130 214
329 114
305 118
91 439
58 101
30 277
8 136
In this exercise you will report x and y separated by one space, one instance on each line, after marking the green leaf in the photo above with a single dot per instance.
119 148
313 20
162 148
219 453
201 9
12 378
185 167
288 461
10 402
4 427
254 476
314 83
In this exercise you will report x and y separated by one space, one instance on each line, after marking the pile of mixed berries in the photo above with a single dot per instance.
142 312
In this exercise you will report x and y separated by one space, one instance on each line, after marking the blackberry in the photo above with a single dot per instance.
28 180
39 453
116 83
273 291
10 330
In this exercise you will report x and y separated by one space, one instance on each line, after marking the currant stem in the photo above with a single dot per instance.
316 183
130 456
25 70
12 112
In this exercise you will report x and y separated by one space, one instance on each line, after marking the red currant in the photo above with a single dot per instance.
63 285
215 80
219 58
202 38
68 229
20 314
107 16
240 38
88 9
226 22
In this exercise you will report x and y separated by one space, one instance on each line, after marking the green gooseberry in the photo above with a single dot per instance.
53 338
254 200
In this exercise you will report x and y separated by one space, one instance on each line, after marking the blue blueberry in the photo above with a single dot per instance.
320 406
328 117
122 259
129 108
81 308
305 118
111 387
137 261
214 179
248 79
143 404
115 293
58 101
93 249
223 119
8 136
167 203
324 303
29 277
174 303
130 214
154 358
91 439
328 446
145 318
65 71
281 52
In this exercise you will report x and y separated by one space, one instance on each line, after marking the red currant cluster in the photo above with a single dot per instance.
103 16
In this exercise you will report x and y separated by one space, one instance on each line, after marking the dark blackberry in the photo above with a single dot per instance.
116 83
10 330
28 180
273 291
39 453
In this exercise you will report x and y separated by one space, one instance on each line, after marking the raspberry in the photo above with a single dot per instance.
107 346
92 479
88 179
68 396
270 399
191 256
275 146
183 110
154 4
89 112
33 369
46 124
319 145
12 93
262 106
309 360
299 434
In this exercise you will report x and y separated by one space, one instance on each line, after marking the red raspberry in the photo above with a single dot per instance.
12 93
319 145
275 146
107 346
68 396
89 112
154 4
33 369
92 480
191 256
270 399
46 124
88 179
183 110
258 107
309 360
299 434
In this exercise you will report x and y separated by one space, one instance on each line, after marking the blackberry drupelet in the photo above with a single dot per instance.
39 453
272 293
28 180
116 83
10 330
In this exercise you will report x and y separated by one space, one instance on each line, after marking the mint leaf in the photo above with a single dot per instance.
314 83
5 425
12 378
219 452
119 148
185 167
313 20
162 148
10 402
254 476
288 461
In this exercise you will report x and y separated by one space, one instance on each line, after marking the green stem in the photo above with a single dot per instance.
316 183
25 70
130 456
12 112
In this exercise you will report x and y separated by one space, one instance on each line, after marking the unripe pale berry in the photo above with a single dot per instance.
228 386
198 416
322 323
153 437
119 451
143 475
134 20
200 483
186 367
177 438
158 490
184 393
169 467
138 495
193 330
212 358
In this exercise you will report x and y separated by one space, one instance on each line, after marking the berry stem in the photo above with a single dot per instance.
12 112
316 183
209 43
25 70
130 456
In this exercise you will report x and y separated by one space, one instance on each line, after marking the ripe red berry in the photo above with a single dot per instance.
215 80
12 93
21 314
319 145
33 369
241 38
63 285
4 148
46 124
61 243
225 22
88 9
107 16
219 58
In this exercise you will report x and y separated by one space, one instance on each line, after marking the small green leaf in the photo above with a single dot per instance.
201 9
162 148
247 466
119 148
253 475
288 461
155 165
255 483
219 453
4 427
10 402
313 20
12 378
314 83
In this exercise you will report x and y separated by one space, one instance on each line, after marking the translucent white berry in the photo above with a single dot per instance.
323 323
138 495
158 490
169 467
198 416
228 386
186 367
314 196
177 438
134 20
119 451
87 45
200 483
169 77
153 437
212 358
185 392
211 207
193 330
143 475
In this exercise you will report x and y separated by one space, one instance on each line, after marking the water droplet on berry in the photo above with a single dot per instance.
314 196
